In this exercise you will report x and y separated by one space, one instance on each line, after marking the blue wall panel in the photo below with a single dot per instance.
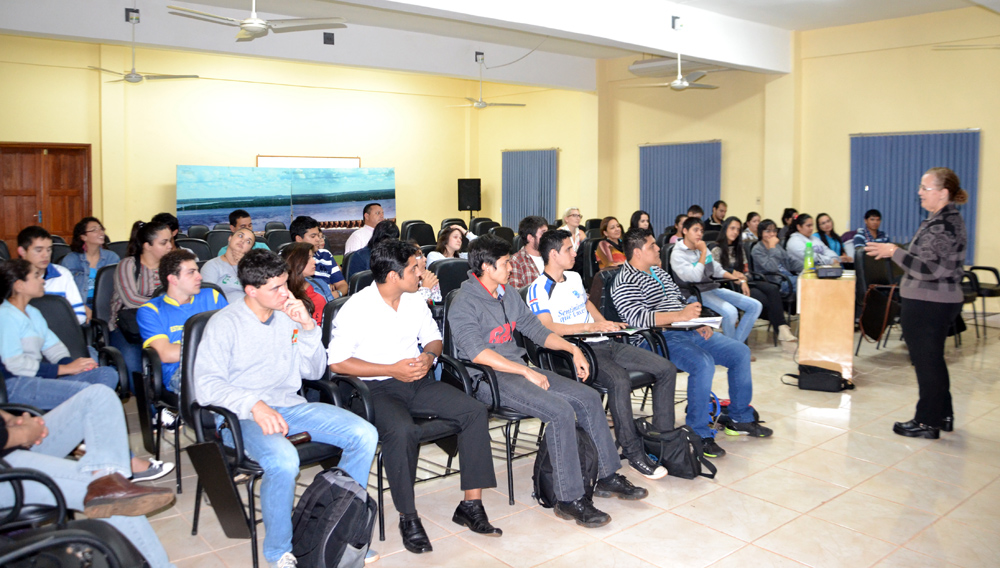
675 176
886 171
530 182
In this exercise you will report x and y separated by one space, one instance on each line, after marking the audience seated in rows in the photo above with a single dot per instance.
87 255
692 262
526 264
609 250
771 259
558 300
240 219
311 291
161 320
483 318
695 211
572 219
372 215
221 270
714 222
802 232
750 227
429 289
306 229
453 242
646 296
361 259
170 221
386 336
34 244
787 216
251 361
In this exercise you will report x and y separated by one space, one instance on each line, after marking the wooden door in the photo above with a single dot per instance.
43 184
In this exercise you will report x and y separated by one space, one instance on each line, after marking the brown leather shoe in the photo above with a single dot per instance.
114 495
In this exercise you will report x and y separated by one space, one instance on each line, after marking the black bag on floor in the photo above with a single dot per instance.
816 378
84 543
332 522
544 484
678 450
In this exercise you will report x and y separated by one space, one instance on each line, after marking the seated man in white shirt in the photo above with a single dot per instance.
358 240
559 301
378 336
34 244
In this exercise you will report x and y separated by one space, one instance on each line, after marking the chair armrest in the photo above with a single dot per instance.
973 280
546 355
463 378
14 475
110 356
102 333
327 393
230 418
352 388
996 274
20 409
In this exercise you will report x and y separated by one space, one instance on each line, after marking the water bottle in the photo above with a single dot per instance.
808 263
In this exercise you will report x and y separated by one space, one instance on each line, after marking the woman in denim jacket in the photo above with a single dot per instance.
87 256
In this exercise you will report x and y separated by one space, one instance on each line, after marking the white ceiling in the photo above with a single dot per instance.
814 14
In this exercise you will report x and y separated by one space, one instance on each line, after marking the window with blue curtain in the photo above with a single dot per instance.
886 171
672 177
530 182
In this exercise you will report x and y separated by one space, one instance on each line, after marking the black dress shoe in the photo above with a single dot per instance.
948 424
914 429
414 537
472 514
583 512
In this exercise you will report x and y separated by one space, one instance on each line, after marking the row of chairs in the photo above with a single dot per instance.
201 231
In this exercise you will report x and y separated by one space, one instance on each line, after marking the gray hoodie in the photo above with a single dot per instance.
479 321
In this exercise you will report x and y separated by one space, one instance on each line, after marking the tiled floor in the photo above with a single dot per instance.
834 487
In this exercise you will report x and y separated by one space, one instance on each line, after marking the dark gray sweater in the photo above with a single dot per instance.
933 263
479 321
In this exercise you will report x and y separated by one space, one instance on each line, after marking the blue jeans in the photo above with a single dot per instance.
46 394
698 356
727 303
95 417
132 354
280 461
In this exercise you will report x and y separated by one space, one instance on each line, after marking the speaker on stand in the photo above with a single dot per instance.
469 196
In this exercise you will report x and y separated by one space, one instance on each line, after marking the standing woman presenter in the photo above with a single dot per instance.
931 290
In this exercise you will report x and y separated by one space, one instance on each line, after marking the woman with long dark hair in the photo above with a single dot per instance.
641 220
931 291
609 251
750 227
772 260
87 255
801 232
361 259
728 252
313 292
830 238
451 243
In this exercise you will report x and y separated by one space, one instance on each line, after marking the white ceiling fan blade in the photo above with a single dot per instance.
155 77
471 100
459 106
701 86
694 76
245 35
106 70
506 104
206 14
648 85
297 22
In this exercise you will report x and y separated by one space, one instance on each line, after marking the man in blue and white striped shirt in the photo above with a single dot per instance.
34 244
646 296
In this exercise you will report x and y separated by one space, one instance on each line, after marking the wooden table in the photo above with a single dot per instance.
826 323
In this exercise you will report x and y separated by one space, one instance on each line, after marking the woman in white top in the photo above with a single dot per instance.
801 231
452 240
750 227
572 219
221 270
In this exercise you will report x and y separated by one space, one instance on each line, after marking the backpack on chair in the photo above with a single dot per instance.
544 484
332 522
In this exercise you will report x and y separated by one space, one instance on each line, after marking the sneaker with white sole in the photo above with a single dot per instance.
752 429
646 468
372 556
156 470
287 560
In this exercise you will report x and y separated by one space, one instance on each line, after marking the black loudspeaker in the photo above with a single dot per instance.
469 194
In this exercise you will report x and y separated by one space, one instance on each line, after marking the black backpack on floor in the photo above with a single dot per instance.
332 523
678 450
544 491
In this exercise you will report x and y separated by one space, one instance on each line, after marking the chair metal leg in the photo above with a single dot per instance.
510 458
159 432
197 508
177 454
253 518
984 317
975 319
888 332
645 397
858 348
381 505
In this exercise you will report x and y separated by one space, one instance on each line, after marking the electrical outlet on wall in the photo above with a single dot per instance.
479 56
132 15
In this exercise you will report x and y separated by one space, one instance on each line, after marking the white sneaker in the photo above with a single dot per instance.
372 556
287 560
156 470
785 334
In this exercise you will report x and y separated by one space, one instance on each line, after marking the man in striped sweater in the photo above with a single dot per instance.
646 296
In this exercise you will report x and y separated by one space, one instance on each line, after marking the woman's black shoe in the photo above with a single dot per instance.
472 514
948 424
914 429
414 537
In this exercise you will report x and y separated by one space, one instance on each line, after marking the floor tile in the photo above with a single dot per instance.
874 517
958 543
540 536
804 431
448 551
831 467
751 556
915 491
870 448
821 544
598 555
904 558
942 467
669 540
736 514
788 489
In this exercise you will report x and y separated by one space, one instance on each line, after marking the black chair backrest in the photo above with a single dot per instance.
200 248
877 271
59 251
449 345
427 249
504 233
454 221
58 239
194 329
221 227
595 234
62 321
118 247
662 240
516 244
213 286
421 232
277 238
272 225
262 240
665 262
104 288
592 224
451 272
4 251
484 227
474 225
283 246
359 280
198 231
403 226
346 262
607 306
216 240
586 261
709 237
747 249
329 314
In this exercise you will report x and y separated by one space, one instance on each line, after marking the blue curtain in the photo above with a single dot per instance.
886 171
675 176
530 180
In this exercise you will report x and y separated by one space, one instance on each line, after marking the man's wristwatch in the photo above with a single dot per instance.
435 357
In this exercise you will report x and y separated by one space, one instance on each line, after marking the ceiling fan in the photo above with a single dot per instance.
480 103
254 27
134 77
684 81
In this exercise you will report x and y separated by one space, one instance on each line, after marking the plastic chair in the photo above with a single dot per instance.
451 272
504 233
216 240
274 225
200 248
198 231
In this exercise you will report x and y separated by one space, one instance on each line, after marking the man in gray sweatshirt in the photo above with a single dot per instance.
251 360
483 318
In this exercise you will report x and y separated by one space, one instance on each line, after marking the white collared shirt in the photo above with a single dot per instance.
367 328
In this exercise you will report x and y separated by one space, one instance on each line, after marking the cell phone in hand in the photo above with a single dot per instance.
300 438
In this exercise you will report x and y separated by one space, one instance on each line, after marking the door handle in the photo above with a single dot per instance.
38 216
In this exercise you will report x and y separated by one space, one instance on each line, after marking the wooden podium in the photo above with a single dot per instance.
826 323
